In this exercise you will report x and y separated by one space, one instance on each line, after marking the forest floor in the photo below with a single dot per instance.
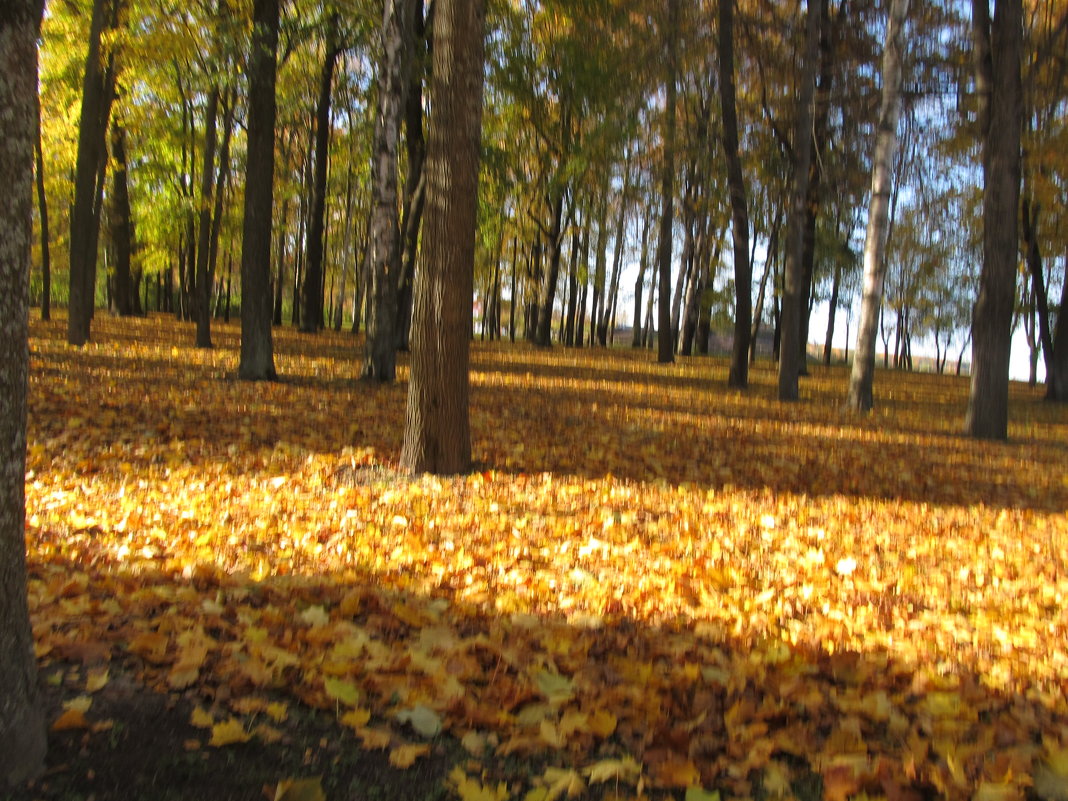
651 586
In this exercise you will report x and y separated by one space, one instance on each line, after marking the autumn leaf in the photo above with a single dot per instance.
228 732
201 718
424 720
404 756
344 691
70 719
624 770
300 790
374 739
470 789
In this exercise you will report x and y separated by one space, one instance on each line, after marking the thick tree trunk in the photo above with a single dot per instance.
257 347
665 338
380 356
997 57
97 96
22 729
743 268
437 435
862 374
311 319
790 321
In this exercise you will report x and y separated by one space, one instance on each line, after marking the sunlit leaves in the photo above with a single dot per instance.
650 584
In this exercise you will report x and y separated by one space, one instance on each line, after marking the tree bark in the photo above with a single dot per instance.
862 374
312 319
121 223
42 208
665 337
1057 372
22 728
738 376
97 96
790 314
437 435
1033 257
997 66
380 355
257 347
201 284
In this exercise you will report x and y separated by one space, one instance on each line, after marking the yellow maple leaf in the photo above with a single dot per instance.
470 789
228 732
374 739
70 719
625 770
356 718
201 718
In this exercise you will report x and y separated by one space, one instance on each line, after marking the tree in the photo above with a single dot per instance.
790 344
257 348
98 93
665 351
384 247
22 730
863 370
997 47
437 434
743 268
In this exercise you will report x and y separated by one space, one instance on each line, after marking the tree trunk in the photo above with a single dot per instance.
997 59
415 183
201 284
790 314
543 336
665 338
832 307
437 435
42 208
380 356
862 373
311 319
1057 371
639 284
743 268
97 96
257 347
769 263
1033 256
22 727
121 223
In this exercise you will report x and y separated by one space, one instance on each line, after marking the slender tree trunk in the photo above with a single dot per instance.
257 347
828 343
769 263
121 223
437 435
665 338
201 284
1034 265
543 336
743 269
97 96
790 321
862 373
312 317
42 208
415 183
22 727
380 357
572 289
1057 369
639 284
997 57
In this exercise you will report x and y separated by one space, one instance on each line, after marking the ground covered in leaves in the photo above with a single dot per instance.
651 585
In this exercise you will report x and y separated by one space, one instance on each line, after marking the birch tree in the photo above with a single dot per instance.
862 376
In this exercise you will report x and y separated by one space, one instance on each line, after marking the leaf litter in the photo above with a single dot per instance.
649 583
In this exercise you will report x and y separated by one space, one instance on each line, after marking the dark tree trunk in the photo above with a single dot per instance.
997 58
312 317
257 347
97 96
22 726
201 283
639 284
1033 256
1057 370
665 336
380 356
415 183
543 336
121 224
743 268
833 307
437 434
42 208
790 344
